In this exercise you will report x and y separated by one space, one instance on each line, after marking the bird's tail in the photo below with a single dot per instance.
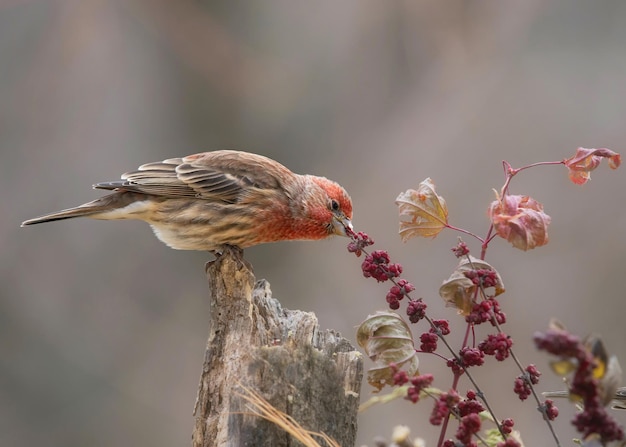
107 207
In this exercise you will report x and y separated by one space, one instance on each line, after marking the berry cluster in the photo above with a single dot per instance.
378 265
398 291
524 381
594 420
359 241
416 310
460 250
550 410
468 426
429 341
471 357
498 345
482 277
441 327
470 405
468 412
443 405
507 425
400 377
418 383
486 310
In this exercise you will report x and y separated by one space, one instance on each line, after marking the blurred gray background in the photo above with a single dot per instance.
102 328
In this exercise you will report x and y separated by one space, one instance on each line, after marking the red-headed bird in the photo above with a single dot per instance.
211 200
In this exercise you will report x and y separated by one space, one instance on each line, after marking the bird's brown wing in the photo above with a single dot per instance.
219 175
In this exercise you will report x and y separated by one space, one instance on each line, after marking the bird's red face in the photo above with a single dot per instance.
338 212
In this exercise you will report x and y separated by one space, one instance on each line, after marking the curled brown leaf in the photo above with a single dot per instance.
426 212
458 290
520 220
387 339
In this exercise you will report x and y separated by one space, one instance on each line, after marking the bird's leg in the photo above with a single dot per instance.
235 252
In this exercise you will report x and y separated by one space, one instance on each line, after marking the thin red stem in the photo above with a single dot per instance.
461 230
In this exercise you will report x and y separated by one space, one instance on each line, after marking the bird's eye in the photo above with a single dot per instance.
334 205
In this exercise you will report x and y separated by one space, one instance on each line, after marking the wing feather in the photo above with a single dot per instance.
220 175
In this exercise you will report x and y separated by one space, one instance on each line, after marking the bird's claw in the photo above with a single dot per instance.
235 252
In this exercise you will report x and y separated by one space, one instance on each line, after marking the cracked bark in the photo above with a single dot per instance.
312 375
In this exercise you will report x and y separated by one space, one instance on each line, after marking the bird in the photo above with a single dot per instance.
226 198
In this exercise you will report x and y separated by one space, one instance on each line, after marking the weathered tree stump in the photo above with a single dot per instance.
311 375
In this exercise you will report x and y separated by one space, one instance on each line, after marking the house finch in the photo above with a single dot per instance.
211 200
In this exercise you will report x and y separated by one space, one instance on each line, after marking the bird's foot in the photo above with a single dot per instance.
228 250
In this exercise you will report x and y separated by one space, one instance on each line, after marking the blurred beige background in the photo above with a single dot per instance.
102 328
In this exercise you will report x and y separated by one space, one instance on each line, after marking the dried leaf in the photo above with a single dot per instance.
426 212
520 220
586 160
386 339
458 290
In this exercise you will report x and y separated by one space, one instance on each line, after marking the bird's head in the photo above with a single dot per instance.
337 213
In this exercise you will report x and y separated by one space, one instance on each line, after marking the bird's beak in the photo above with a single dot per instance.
342 225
